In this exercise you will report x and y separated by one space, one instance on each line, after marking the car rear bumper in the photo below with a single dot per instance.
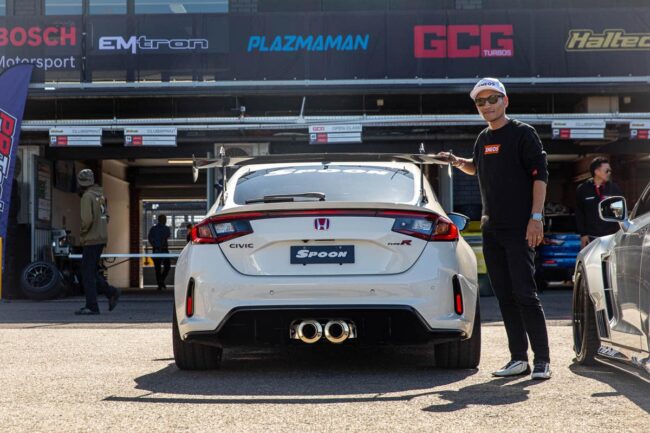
388 324
426 288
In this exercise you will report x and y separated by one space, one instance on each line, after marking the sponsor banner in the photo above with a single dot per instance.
14 84
322 46
578 129
151 136
53 45
75 136
639 129
324 134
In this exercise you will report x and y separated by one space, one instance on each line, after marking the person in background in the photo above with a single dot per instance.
588 196
159 240
188 236
94 236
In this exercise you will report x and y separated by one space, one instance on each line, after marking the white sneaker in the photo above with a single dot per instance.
541 371
513 368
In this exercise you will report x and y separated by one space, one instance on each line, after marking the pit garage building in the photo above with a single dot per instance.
134 88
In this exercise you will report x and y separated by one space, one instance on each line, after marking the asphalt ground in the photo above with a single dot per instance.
115 372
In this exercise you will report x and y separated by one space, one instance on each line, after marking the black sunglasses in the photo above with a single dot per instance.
492 99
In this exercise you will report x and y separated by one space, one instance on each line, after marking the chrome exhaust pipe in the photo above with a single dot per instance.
337 331
309 331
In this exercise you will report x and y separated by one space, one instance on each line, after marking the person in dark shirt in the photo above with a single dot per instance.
588 197
511 165
159 238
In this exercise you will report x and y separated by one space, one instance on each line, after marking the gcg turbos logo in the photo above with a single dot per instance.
463 41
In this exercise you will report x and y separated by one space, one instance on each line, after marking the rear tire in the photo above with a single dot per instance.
462 354
585 335
194 356
41 281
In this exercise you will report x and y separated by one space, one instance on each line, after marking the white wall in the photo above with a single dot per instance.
117 195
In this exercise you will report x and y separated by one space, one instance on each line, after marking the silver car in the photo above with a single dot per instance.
611 297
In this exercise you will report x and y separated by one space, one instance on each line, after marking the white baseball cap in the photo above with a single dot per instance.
487 83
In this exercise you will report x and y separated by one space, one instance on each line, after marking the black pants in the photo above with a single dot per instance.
511 267
162 267
91 277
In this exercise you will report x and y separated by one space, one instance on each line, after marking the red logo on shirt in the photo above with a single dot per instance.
492 149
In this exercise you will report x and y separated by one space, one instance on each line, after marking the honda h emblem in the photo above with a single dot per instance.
322 223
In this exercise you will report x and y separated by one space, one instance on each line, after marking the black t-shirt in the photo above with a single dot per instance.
588 221
508 160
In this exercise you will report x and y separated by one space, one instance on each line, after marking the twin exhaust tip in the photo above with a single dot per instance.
310 331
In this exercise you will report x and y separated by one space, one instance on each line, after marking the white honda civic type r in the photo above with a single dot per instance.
327 249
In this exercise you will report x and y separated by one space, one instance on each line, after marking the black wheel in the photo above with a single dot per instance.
585 334
194 356
461 354
41 281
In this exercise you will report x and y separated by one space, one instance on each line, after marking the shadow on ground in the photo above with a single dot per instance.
634 389
327 376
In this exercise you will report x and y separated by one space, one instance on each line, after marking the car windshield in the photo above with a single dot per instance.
338 182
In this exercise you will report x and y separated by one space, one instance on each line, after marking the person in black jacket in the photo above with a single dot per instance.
511 166
588 196
159 240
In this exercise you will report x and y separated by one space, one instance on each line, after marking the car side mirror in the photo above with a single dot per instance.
459 220
613 209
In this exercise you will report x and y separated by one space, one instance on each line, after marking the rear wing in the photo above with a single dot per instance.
224 161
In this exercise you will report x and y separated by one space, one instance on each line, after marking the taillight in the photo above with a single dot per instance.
221 229
428 227
458 295
189 299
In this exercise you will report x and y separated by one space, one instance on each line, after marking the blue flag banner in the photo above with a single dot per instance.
14 84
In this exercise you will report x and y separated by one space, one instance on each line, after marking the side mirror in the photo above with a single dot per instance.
459 220
613 209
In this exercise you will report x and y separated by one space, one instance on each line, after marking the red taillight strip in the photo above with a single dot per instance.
450 235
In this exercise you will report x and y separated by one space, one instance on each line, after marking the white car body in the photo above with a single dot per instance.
612 326
240 283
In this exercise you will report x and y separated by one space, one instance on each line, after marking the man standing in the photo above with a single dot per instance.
94 236
158 238
511 166
588 197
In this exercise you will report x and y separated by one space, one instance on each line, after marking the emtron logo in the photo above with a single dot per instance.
143 43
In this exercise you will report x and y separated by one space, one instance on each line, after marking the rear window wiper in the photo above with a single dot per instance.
287 197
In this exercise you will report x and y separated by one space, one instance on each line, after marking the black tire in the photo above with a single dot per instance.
41 281
194 356
462 354
585 335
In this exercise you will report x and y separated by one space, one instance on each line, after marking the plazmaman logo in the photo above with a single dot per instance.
143 43
292 43
608 40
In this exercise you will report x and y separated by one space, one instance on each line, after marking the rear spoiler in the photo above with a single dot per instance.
224 161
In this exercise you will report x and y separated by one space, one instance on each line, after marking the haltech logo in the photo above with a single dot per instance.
608 40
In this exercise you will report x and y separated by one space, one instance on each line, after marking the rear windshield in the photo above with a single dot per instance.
338 182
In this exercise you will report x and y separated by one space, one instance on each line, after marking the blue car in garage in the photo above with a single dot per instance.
556 256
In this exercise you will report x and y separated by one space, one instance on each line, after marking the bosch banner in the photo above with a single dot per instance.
14 83
325 46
